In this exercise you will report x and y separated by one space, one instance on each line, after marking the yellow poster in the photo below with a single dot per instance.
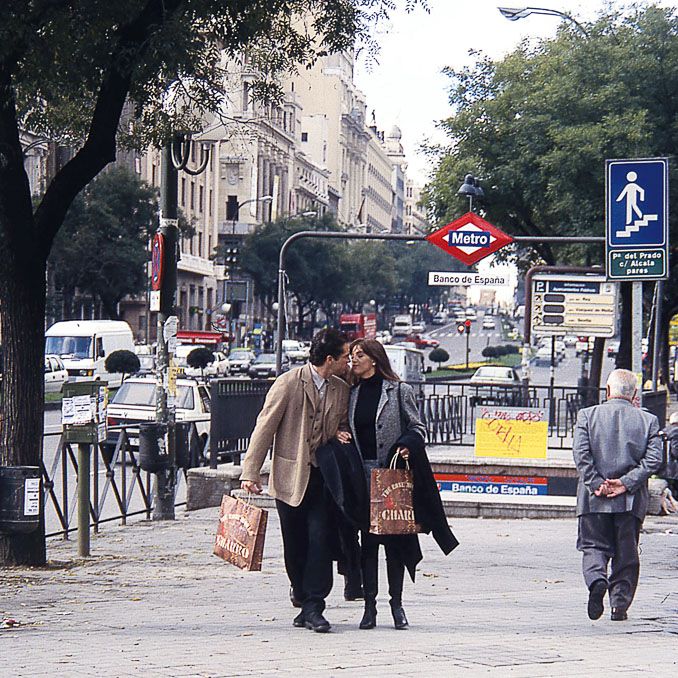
511 432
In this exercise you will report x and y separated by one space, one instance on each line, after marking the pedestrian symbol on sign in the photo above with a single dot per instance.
632 193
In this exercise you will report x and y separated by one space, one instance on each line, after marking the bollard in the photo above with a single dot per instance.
83 498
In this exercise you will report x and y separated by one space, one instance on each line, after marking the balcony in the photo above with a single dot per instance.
189 263
236 228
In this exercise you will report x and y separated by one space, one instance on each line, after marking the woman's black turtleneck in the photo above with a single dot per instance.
365 417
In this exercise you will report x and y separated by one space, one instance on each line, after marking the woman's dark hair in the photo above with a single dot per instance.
373 349
327 342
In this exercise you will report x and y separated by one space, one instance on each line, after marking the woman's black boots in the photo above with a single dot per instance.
396 576
369 620
399 618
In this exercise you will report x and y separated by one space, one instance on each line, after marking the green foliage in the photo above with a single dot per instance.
122 362
102 247
538 125
439 355
199 358
490 352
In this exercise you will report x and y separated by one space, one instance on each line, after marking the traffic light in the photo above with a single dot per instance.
231 257
467 326
461 328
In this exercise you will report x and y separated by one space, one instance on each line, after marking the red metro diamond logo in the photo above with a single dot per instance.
469 238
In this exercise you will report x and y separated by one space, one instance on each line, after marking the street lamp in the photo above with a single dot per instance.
471 189
515 13
263 198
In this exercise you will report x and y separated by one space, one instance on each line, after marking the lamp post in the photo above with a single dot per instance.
263 198
471 189
516 13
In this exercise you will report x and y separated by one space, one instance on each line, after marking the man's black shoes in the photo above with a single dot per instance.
316 622
596 595
618 614
299 621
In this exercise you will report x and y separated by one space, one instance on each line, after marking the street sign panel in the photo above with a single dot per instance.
469 238
581 305
452 279
637 218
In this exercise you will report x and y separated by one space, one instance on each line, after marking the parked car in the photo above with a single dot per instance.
219 367
134 402
489 323
422 341
56 374
495 385
263 366
295 350
583 345
241 359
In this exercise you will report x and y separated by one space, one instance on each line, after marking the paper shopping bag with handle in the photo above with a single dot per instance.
241 533
391 507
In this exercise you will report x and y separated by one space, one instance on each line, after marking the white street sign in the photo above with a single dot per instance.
448 279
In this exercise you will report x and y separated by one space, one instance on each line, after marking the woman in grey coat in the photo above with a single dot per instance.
384 420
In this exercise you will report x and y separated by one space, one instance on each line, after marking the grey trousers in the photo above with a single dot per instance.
605 537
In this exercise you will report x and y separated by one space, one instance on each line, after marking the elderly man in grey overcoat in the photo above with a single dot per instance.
304 408
616 449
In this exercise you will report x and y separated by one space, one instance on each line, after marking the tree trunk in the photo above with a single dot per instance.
22 312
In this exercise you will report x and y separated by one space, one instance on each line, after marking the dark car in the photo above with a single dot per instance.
241 359
263 366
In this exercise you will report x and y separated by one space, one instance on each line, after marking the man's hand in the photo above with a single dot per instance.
251 487
602 490
615 487
343 437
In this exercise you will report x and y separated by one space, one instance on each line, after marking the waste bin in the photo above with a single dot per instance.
19 499
153 452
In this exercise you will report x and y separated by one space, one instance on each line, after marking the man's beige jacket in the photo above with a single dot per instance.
286 423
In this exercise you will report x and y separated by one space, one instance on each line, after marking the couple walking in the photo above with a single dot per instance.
310 412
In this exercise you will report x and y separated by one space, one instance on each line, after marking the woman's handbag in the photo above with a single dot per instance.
391 506
241 533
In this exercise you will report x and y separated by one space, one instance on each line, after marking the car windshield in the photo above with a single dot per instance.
72 347
265 358
239 355
142 393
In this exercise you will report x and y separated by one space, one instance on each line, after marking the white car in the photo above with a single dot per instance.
134 402
56 374
418 328
489 323
219 367
440 318
295 350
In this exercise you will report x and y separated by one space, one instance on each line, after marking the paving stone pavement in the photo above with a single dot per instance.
510 601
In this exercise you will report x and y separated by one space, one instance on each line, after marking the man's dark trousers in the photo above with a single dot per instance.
611 536
306 545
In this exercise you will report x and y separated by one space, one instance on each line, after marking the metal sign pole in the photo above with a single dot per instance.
637 332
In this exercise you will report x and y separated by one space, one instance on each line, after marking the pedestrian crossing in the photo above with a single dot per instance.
438 334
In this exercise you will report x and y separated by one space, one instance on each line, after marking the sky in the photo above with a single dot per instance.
407 88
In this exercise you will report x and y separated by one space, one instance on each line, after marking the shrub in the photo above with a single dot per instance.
122 362
439 355
200 358
489 352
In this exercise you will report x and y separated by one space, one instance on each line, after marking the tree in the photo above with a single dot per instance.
95 76
102 248
439 355
199 358
122 362
490 352
538 125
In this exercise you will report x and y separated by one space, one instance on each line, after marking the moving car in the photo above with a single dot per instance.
543 356
295 350
440 318
422 341
56 374
489 323
418 327
496 385
134 402
402 325
241 359
263 366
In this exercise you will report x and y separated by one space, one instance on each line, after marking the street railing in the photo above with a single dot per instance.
120 488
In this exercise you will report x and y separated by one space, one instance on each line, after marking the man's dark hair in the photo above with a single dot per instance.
327 342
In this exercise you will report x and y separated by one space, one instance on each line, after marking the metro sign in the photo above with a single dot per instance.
469 238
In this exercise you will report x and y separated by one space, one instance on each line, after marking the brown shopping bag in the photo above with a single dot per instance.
241 533
391 506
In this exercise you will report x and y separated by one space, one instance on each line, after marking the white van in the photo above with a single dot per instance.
402 325
408 363
84 345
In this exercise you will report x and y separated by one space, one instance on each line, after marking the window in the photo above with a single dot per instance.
201 198
192 195
245 96
183 191
200 253
209 202
232 211
304 136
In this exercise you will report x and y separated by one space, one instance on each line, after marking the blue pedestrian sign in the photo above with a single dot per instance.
637 219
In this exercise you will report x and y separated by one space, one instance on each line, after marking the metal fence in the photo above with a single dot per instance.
120 489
